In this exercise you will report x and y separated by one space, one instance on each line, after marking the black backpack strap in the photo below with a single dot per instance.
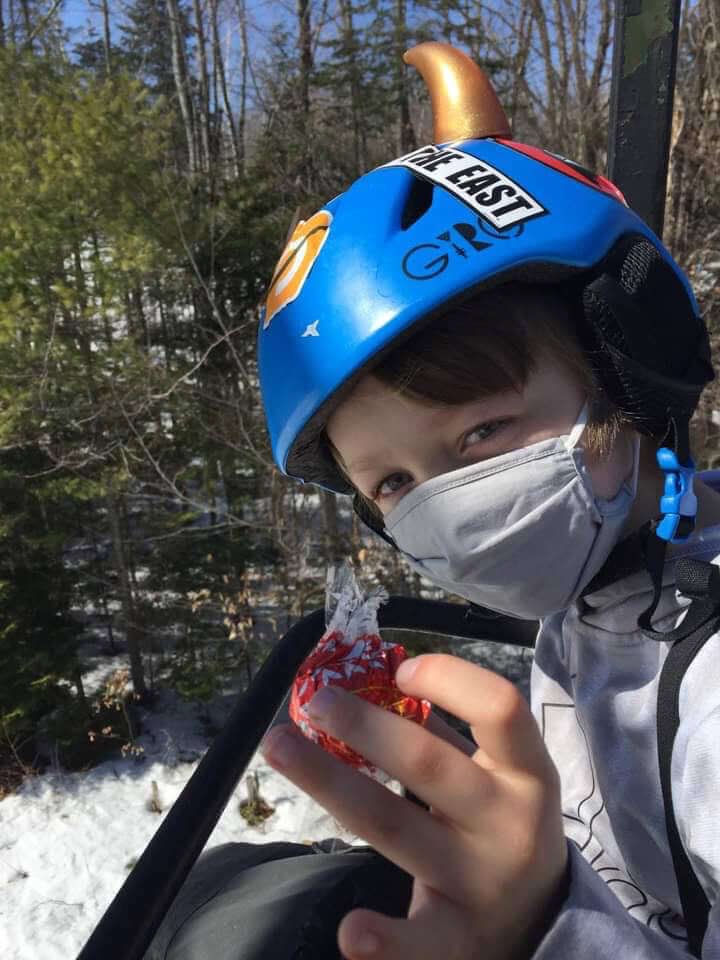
700 581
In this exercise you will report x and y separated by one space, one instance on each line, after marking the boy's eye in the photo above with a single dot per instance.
394 482
481 432
391 484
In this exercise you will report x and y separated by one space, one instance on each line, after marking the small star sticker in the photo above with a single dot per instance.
311 330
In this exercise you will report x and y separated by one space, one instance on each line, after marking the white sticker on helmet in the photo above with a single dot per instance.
485 189
311 330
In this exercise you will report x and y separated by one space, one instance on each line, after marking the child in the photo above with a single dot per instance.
483 345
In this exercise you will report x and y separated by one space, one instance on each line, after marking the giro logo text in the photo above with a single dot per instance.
428 260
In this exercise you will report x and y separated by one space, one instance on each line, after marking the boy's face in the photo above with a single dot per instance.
391 443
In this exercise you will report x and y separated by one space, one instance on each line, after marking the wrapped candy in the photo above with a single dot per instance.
351 654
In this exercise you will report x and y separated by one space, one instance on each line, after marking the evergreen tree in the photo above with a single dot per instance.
79 162
38 638
147 50
146 42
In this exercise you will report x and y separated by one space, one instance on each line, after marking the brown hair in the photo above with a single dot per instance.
488 344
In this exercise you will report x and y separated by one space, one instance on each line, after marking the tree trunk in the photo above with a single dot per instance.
180 76
219 65
305 61
205 160
242 17
333 545
407 141
351 53
103 595
77 677
13 23
305 42
520 58
139 311
132 634
106 37
101 289
26 20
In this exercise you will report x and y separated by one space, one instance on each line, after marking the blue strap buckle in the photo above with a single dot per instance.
679 504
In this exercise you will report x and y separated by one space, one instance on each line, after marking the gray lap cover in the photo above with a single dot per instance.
276 901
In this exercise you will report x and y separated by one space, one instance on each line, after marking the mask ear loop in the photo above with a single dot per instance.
636 465
579 428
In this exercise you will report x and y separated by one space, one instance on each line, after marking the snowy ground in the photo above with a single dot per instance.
69 840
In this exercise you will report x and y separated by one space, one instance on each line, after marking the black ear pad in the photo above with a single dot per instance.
648 344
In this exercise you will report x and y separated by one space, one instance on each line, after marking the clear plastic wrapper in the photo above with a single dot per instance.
351 654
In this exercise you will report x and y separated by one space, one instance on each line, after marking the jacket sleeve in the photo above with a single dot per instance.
695 767
593 923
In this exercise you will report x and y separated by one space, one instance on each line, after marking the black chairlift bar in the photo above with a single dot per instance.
641 103
130 922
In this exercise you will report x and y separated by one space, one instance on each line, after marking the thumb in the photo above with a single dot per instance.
438 928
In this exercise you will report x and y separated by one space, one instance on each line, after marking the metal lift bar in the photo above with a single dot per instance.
641 103
130 922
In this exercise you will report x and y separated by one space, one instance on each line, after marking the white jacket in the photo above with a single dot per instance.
594 695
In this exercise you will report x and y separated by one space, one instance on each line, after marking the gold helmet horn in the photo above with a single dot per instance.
464 104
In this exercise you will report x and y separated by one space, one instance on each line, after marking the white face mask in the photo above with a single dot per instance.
521 533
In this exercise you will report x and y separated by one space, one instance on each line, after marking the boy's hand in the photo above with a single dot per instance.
489 858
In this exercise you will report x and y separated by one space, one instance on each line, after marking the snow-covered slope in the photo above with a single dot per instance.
69 840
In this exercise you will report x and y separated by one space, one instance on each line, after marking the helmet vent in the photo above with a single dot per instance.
418 202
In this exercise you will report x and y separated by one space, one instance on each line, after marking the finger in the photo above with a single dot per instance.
437 772
436 929
440 728
410 836
497 713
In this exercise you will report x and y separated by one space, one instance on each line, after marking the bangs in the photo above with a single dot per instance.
486 345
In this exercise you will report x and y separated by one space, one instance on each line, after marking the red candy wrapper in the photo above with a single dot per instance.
351 654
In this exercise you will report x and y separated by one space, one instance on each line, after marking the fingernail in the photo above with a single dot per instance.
367 943
404 672
278 748
320 705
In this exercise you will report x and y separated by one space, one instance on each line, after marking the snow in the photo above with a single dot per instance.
69 840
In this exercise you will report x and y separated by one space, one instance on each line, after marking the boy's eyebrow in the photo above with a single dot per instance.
362 465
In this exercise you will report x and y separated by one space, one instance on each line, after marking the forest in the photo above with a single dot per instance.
149 175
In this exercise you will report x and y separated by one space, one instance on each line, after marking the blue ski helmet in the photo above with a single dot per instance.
432 228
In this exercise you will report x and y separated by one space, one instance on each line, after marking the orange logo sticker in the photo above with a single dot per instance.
295 262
